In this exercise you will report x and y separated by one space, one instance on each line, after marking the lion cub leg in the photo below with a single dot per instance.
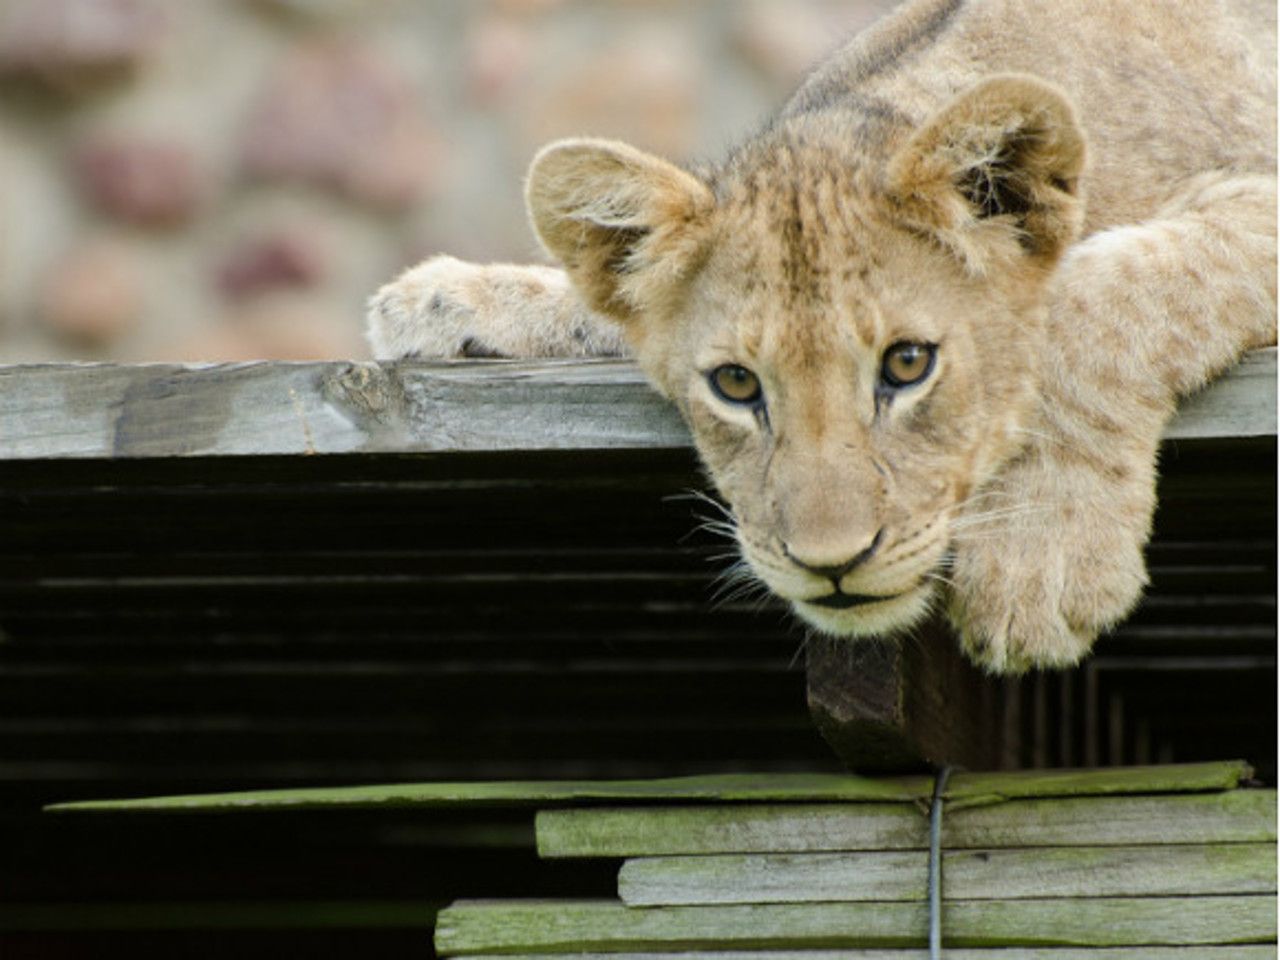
1051 553
444 308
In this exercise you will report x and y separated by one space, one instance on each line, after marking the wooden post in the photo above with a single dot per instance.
903 705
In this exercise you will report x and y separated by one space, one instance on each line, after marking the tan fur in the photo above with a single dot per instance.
1075 201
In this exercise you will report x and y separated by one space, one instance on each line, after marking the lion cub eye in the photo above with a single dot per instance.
905 364
735 384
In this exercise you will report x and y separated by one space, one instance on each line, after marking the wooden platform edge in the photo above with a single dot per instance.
112 411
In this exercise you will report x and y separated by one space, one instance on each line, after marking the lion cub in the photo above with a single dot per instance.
926 326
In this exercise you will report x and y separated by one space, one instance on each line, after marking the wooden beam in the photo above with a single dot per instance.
889 706
63 411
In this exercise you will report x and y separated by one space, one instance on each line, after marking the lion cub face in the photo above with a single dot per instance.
846 403
852 340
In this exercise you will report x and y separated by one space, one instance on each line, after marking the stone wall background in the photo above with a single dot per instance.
230 179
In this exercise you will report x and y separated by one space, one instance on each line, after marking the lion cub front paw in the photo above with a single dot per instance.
1009 619
428 311
1035 584
444 309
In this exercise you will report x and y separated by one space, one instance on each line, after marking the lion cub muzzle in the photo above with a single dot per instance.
835 571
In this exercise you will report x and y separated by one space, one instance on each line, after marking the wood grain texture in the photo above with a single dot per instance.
1240 816
889 706
1180 870
561 926
656 831
111 411
62 411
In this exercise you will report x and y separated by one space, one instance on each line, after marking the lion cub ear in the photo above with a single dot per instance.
998 164
626 225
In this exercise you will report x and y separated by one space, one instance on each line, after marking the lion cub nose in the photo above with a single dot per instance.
834 571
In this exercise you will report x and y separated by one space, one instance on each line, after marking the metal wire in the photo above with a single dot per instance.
935 864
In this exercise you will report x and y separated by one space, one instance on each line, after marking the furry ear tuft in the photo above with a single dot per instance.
999 163
626 225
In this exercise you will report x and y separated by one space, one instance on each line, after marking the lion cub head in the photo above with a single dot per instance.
849 315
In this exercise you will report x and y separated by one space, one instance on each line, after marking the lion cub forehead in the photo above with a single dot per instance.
795 288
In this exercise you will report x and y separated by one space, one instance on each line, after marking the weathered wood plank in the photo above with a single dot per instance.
733 787
171 410
975 789
964 789
166 410
659 831
1235 952
1241 404
1240 816
1048 872
572 926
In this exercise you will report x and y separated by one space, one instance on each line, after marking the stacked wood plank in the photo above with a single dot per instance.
1158 864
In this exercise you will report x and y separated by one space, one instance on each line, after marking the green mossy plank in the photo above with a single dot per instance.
568 926
743 788
571 926
766 828
898 875
230 915
1237 952
1237 816
968 789
1181 870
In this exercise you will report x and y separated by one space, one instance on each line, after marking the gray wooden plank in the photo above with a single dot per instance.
1046 872
1239 816
67 411
1241 404
560 926
152 410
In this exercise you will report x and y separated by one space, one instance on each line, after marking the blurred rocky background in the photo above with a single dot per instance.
230 179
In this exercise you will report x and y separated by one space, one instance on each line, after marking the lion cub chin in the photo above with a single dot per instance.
921 370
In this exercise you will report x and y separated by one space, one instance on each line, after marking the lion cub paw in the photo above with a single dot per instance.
1011 621
1034 586
445 309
